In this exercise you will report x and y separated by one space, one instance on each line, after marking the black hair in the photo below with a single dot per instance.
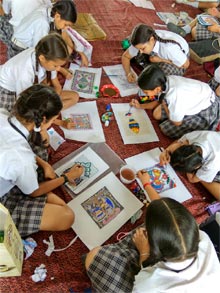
52 47
172 232
142 33
187 158
36 103
151 77
66 9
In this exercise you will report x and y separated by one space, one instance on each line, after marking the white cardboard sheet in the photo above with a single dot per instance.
93 165
85 81
149 159
146 130
89 127
95 232
118 77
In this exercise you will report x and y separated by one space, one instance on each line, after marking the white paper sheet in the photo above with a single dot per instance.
93 165
95 232
146 130
149 159
55 139
90 128
118 77
143 4
85 81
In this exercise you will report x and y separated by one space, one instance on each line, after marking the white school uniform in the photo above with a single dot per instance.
32 28
18 73
217 74
201 276
186 96
17 160
21 8
209 141
168 51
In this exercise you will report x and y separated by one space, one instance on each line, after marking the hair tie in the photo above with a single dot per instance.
37 129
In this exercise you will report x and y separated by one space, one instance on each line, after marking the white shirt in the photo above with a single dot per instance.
18 73
33 27
209 141
201 276
21 8
168 51
17 160
186 96
217 74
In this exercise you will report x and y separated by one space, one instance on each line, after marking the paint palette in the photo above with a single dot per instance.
110 91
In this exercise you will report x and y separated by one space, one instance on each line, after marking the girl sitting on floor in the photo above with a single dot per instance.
185 104
198 155
169 255
199 31
214 82
36 65
167 49
32 205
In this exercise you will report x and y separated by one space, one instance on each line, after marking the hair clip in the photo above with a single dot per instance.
37 129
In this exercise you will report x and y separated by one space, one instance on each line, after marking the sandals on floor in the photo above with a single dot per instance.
176 29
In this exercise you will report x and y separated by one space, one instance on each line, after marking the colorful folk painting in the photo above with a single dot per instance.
160 179
89 171
81 121
102 207
133 125
83 81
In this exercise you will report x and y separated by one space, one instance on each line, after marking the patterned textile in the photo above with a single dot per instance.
26 211
171 69
7 99
202 33
114 267
213 84
207 119
6 33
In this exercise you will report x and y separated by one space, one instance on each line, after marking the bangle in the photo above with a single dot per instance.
146 184
146 253
65 178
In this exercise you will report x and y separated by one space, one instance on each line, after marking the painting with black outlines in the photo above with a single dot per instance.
160 179
83 81
81 121
102 207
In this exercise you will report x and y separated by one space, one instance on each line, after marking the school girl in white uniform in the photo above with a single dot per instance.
184 104
169 50
38 24
198 154
32 204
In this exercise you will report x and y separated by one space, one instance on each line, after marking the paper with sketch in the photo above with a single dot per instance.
134 128
143 4
118 77
164 180
179 18
85 81
88 126
93 165
102 209
55 139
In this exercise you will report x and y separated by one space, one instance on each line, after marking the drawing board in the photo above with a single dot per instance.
135 128
164 179
102 209
93 165
85 81
87 125
118 77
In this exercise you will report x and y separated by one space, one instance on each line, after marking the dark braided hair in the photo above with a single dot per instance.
66 9
142 33
52 47
187 158
36 103
172 232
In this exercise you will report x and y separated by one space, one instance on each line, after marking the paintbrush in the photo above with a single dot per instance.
129 111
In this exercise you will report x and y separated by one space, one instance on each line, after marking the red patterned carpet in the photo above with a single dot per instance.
65 270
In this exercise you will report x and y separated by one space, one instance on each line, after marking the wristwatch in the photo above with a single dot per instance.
65 178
